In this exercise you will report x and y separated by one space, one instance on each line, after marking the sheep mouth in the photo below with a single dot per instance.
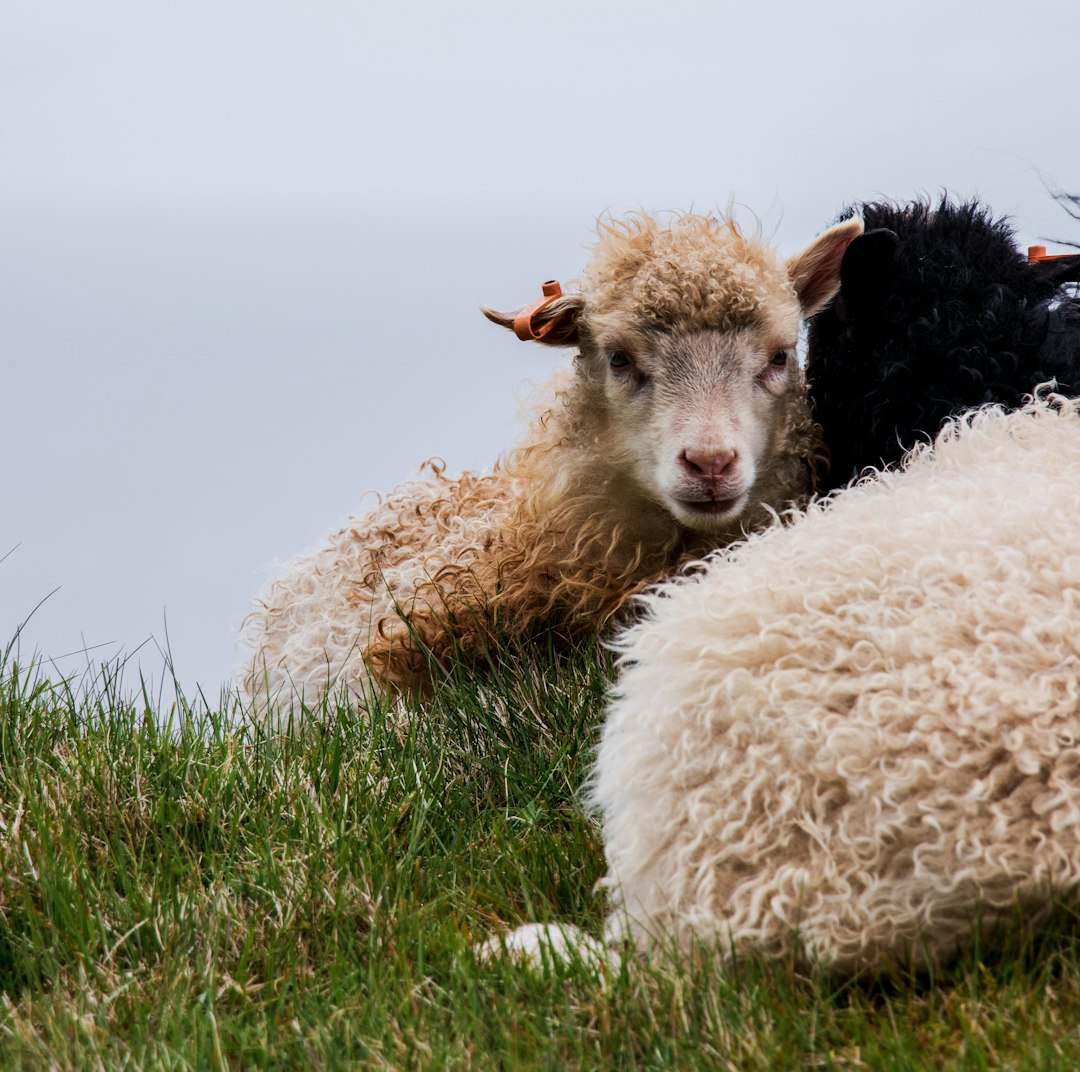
711 507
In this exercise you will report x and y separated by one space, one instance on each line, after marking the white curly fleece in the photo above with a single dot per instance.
858 736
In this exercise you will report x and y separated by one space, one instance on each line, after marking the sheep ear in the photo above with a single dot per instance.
815 273
868 269
1057 270
553 320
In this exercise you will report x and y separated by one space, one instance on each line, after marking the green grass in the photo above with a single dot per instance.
211 895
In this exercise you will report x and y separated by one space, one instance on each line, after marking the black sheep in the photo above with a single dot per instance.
937 312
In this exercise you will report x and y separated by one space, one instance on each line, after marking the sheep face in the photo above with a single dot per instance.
687 384
693 418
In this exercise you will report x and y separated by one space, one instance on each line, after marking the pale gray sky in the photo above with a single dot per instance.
242 244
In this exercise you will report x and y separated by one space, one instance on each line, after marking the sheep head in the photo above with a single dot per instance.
686 377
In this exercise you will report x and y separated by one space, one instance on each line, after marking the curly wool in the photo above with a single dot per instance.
553 540
444 569
857 738
700 272
952 319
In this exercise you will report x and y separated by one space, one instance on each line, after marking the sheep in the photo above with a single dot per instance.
937 313
683 424
855 739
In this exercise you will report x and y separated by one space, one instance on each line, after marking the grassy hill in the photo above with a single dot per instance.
212 895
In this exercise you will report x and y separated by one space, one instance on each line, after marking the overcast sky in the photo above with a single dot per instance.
242 244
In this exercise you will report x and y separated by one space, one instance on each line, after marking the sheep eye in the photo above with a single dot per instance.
779 359
618 360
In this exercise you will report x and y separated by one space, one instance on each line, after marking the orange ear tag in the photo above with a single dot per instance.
1038 253
523 322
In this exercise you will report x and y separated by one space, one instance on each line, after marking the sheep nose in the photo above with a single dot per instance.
708 465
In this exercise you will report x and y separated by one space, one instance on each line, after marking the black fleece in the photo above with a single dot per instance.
938 312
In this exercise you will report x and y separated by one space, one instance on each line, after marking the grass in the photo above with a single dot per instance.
212 895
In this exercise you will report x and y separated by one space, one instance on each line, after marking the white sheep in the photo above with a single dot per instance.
684 424
857 737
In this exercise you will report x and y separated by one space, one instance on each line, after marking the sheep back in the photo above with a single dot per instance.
444 569
857 737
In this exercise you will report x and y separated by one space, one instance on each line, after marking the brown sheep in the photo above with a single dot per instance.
683 424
